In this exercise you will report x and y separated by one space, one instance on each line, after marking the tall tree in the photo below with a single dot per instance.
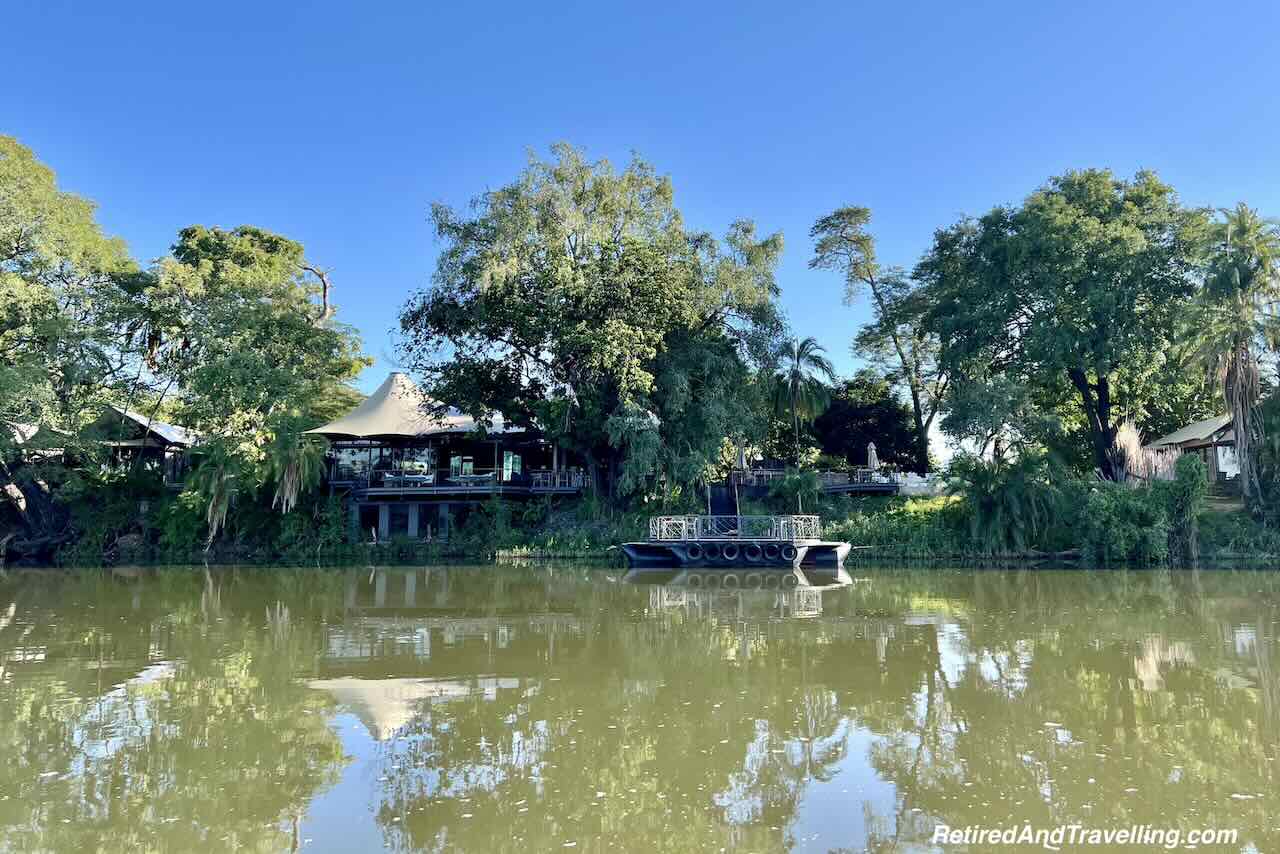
574 298
1235 319
897 335
64 316
802 389
63 308
1080 285
242 328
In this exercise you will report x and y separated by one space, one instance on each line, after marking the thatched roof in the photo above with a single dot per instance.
399 410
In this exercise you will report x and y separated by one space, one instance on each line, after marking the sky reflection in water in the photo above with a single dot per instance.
534 708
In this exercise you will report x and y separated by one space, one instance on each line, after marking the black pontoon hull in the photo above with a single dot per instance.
761 554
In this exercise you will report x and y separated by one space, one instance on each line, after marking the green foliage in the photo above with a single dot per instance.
800 385
913 528
1268 451
574 297
796 487
1073 294
1184 499
62 304
181 524
293 463
865 409
232 320
1009 505
220 474
1232 320
899 340
1120 523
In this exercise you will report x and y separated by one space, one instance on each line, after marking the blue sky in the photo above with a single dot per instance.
338 125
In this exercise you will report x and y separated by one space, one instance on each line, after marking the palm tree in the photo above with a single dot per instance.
1237 317
799 387
218 476
295 464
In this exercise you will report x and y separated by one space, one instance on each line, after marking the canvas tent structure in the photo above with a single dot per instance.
136 437
409 466
1212 439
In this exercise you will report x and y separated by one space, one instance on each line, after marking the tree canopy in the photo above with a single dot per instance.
233 334
897 340
1077 289
865 409
575 298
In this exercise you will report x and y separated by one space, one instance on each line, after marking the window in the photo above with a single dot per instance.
511 464
418 460
350 463
461 466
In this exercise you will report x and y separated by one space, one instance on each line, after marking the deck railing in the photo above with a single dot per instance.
861 475
735 528
557 479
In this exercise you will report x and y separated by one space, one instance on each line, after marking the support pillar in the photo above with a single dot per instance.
413 521
384 522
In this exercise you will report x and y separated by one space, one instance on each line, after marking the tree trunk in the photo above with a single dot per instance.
922 429
1096 400
795 423
1242 400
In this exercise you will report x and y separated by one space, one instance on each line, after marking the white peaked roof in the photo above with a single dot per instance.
399 409
385 706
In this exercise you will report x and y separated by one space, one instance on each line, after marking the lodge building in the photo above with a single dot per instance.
408 472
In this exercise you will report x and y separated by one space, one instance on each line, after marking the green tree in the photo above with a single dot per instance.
801 391
575 299
1078 288
242 326
865 409
897 336
64 320
1234 319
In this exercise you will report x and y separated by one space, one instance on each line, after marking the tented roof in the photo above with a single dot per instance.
398 409
1200 431
385 706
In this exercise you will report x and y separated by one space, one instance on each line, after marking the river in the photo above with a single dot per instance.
559 708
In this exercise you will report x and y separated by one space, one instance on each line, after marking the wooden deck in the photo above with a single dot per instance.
408 486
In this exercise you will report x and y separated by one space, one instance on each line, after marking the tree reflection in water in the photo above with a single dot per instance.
525 708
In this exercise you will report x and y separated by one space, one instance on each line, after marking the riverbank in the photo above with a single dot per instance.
1099 527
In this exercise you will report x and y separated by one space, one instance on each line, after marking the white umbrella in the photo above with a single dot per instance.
873 462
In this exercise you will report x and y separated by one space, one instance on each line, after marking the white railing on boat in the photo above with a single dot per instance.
735 528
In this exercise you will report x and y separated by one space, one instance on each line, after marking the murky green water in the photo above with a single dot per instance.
539 709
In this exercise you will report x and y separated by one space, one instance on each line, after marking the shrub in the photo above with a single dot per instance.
1121 523
1008 505
1184 501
